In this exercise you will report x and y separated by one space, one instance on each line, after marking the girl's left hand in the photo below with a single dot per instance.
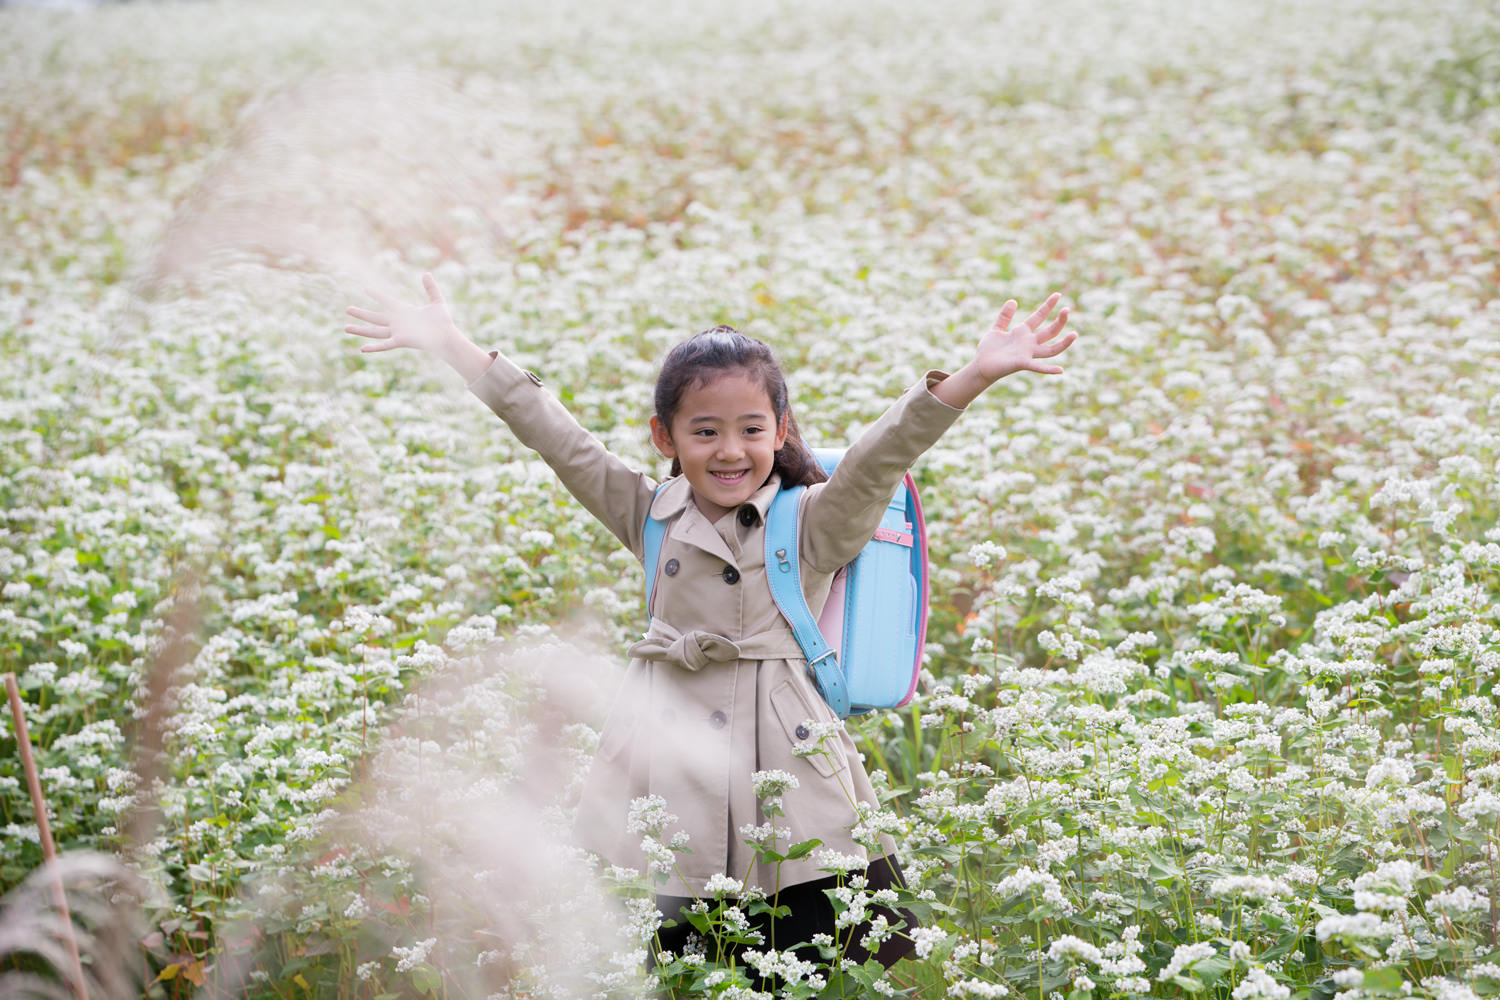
1006 349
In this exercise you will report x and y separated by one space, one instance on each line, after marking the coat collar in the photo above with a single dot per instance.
674 502
676 495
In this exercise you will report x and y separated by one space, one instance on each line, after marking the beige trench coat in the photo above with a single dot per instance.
718 689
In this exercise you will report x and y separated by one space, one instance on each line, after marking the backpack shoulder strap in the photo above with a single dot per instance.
784 573
655 532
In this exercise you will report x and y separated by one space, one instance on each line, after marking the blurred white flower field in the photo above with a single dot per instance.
1211 705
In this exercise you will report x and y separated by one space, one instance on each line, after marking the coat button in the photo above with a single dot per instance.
717 720
803 732
730 575
671 567
747 516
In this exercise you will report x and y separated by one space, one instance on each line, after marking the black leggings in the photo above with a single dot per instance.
812 913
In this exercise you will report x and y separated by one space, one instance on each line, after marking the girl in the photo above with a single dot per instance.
718 689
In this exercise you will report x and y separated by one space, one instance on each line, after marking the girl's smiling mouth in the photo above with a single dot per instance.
731 477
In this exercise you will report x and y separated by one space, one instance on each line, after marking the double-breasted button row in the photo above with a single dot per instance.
729 573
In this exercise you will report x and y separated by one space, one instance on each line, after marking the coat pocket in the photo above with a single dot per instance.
794 710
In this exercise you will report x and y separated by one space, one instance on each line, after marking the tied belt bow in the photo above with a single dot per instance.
694 650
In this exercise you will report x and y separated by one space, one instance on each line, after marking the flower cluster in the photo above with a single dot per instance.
1213 661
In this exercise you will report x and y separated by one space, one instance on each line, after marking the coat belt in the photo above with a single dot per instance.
694 650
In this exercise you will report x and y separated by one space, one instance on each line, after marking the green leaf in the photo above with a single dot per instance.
1191 985
1387 980
1212 969
802 849
426 979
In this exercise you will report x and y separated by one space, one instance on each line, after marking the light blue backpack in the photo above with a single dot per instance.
864 652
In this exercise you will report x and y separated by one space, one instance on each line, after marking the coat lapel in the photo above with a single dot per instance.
674 504
692 528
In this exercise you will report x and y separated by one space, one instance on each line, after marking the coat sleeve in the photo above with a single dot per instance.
612 491
841 515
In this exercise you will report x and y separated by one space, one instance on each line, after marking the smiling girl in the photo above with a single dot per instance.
718 689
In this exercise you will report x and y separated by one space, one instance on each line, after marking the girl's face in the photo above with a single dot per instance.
725 434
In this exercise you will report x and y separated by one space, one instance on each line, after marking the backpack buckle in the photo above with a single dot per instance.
782 562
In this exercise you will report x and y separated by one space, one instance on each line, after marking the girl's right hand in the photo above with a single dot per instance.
426 327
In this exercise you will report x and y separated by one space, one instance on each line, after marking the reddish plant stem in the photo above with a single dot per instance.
44 831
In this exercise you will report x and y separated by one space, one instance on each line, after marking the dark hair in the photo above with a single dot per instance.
707 355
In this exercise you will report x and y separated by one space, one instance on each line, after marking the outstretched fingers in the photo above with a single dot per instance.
369 315
1036 319
1007 313
380 324
433 294
1052 348
1044 334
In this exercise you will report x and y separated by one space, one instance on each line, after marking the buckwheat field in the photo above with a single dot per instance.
314 654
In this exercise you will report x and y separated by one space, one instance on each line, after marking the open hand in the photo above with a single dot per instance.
395 324
1006 349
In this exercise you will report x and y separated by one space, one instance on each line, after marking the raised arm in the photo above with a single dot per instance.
1005 350
840 516
612 491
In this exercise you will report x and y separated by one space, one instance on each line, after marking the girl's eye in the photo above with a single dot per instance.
705 432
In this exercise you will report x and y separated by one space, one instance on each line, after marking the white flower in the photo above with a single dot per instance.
1480 806
1258 984
828 860
1458 901
1028 879
1352 925
1387 887
1069 946
1261 887
1390 772
723 885
927 938
410 957
648 814
1183 956
769 784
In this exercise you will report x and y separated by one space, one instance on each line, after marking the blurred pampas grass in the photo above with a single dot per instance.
445 856
107 906
332 171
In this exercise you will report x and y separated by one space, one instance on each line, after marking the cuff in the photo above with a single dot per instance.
927 382
501 380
